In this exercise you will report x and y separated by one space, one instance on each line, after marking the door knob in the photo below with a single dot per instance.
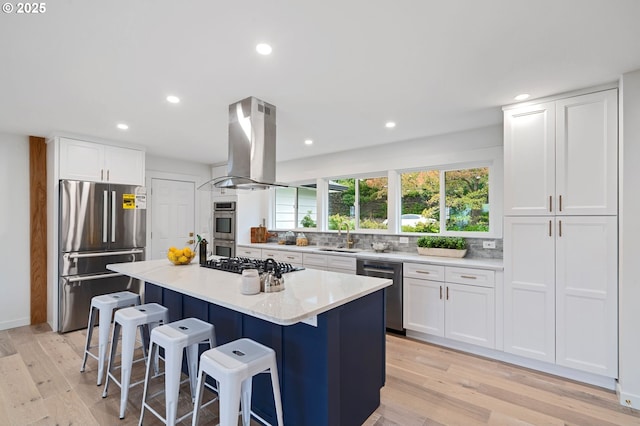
190 242
191 234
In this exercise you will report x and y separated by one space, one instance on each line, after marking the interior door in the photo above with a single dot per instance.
172 215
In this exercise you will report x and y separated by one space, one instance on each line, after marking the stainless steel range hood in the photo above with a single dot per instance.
252 147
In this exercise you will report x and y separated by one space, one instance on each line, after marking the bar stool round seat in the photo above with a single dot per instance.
103 307
233 366
129 320
176 337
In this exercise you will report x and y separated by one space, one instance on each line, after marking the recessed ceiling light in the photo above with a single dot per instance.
308 142
522 97
173 99
264 49
390 124
122 126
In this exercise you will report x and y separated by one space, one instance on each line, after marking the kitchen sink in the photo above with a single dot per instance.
339 249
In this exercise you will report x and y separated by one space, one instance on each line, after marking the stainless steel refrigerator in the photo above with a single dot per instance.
99 224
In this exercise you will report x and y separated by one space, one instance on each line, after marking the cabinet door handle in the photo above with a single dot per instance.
560 202
549 228
423 272
447 293
471 277
107 175
290 257
101 174
550 203
559 228
440 292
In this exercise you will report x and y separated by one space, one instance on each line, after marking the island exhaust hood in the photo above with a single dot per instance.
252 147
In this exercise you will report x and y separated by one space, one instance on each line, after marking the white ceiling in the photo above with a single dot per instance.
339 69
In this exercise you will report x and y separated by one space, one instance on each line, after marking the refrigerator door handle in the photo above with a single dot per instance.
92 277
105 216
104 253
113 216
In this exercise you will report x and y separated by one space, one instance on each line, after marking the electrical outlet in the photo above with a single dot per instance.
489 244
403 240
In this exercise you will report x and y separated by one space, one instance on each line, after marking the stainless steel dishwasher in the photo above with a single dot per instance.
393 294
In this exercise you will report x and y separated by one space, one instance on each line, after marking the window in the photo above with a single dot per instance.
295 208
362 198
467 199
453 200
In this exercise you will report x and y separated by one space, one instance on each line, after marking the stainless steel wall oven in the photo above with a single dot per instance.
224 228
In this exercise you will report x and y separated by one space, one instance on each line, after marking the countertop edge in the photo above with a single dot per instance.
397 256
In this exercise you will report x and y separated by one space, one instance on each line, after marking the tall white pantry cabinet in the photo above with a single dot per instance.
561 232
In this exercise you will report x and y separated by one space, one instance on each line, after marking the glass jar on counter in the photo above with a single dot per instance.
282 239
290 238
301 240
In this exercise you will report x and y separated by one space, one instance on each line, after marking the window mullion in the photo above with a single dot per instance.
443 203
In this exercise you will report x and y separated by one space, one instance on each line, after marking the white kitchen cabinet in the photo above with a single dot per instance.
561 290
346 265
529 292
250 252
88 161
423 306
314 261
462 310
561 157
586 294
529 159
292 257
470 314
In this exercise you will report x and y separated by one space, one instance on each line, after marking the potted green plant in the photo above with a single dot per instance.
442 246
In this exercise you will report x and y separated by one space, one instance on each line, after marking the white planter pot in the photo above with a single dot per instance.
442 252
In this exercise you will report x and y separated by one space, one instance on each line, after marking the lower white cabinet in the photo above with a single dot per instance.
458 311
314 261
470 313
561 291
292 257
253 253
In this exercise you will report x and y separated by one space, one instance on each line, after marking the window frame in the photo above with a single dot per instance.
273 206
442 169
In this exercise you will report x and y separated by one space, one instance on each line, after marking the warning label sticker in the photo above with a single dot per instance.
128 201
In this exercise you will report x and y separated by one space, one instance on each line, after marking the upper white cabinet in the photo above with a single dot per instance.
81 160
561 157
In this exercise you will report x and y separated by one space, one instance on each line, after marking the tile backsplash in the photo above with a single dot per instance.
363 241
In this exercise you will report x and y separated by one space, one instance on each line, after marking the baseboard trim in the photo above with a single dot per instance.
6 325
628 399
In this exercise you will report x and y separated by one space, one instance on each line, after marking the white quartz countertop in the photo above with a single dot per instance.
397 256
307 293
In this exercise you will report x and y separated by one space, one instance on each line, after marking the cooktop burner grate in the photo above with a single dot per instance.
238 264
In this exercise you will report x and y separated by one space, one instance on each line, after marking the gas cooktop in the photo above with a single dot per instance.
238 264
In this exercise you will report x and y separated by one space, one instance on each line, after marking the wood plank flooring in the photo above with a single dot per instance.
41 384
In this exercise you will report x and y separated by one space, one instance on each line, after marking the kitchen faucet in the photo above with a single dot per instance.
349 240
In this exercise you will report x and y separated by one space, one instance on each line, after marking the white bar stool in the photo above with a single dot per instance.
104 305
175 337
129 320
233 365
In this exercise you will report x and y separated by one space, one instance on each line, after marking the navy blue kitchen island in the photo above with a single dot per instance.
331 366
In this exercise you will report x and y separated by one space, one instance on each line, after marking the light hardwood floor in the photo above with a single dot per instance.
40 384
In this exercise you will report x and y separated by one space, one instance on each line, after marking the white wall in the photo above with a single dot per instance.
472 145
629 212
14 231
169 168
